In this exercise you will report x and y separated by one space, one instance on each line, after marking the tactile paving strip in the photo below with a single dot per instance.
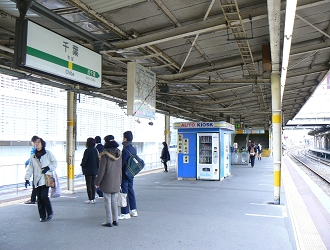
306 234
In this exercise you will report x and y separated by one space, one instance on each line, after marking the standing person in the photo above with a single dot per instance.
109 180
252 151
99 145
100 149
283 148
249 145
259 148
41 162
126 183
165 156
34 191
90 165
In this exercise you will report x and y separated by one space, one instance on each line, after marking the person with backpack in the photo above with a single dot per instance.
33 199
127 182
252 149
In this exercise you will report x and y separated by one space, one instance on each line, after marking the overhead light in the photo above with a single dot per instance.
290 13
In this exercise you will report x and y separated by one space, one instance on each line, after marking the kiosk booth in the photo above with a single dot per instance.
204 150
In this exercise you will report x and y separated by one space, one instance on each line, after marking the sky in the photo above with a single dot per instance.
317 105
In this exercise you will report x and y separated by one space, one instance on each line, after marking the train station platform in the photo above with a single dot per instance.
235 213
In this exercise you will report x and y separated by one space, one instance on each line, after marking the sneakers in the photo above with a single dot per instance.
124 216
90 202
30 202
134 213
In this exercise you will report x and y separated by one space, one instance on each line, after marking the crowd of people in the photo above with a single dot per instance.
104 170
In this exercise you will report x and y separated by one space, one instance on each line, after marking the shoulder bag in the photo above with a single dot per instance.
49 179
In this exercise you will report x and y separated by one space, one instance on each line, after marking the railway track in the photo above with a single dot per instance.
318 166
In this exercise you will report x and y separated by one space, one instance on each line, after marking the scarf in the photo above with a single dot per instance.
40 153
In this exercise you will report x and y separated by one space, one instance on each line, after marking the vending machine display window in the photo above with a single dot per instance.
205 147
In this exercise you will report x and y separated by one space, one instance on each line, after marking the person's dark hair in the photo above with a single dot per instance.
128 135
111 144
34 138
97 139
109 138
43 143
165 144
90 143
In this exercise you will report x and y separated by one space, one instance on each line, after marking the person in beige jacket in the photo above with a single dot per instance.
109 179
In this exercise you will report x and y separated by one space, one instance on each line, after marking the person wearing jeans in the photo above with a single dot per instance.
127 185
33 198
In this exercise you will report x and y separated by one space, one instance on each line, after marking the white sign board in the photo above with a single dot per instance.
141 91
49 52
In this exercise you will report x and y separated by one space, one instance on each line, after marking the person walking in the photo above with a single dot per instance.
126 183
252 152
165 156
41 162
90 165
100 149
259 149
33 198
109 180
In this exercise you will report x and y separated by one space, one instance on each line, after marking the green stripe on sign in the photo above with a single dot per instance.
47 57
61 62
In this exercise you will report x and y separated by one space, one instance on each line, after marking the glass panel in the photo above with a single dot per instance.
205 149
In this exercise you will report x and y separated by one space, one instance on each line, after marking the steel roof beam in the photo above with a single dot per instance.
208 26
50 15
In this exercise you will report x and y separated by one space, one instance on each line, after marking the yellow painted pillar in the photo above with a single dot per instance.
70 138
277 133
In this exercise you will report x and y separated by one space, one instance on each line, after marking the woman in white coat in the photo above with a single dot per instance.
41 162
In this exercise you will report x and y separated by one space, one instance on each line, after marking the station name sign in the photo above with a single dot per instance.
48 52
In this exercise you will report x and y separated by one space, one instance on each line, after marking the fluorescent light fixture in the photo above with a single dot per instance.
290 13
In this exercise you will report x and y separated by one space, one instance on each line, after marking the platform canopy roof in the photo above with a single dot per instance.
210 56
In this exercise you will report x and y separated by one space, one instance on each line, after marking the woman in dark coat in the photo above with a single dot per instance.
252 151
165 156
90 165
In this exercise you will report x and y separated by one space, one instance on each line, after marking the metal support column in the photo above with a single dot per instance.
70 138
277 133
167 130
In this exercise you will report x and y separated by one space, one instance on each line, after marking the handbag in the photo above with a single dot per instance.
55 191
121 199
49 180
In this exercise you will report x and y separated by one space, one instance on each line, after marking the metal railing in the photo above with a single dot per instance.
12 176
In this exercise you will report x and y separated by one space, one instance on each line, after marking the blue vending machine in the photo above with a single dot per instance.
203 150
